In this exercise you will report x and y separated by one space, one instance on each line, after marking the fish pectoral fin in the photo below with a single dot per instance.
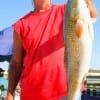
79 28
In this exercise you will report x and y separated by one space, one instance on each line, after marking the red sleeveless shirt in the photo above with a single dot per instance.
43 75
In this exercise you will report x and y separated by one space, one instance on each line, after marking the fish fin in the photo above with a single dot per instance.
84 78
79 28
91 32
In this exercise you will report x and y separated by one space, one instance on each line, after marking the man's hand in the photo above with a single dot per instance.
92 8
9 96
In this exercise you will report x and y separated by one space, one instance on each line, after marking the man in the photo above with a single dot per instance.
38 58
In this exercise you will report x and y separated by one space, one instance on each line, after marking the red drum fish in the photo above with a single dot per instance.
78 38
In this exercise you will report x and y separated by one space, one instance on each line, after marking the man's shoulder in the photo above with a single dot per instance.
59 5
27 15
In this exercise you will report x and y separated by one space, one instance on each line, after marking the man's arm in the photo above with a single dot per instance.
15 67
92 8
